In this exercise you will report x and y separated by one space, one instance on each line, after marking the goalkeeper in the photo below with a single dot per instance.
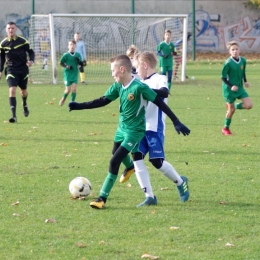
133 96
80 48
71 62
166 50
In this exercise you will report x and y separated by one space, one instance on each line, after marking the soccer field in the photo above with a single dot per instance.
43 152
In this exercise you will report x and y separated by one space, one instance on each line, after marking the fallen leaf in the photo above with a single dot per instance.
229 244
113 114
101 242
165 188
149 256
16 203
174 228
50 220
153 211
80 245
15 215
3 144
129 185
223 202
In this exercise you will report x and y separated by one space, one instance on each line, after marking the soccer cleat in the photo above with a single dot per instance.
83 83
148 202
26 111
184 190
97 203
13 119
62 102
226 131
126 174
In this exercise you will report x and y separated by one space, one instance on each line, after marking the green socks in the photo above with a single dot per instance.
107 185
127 162
227 122
73 96
239 105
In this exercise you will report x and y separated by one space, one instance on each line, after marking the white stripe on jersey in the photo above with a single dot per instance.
155 118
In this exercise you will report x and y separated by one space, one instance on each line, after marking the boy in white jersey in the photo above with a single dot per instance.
153 142
133 96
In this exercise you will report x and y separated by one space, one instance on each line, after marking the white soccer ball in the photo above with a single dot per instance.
80 187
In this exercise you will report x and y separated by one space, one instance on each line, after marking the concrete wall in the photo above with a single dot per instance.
217 22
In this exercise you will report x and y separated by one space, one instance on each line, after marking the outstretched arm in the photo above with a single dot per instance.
179 127
162 92
99 102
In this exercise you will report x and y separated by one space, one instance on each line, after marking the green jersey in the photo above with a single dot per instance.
69 59
166 49
234 71
133 100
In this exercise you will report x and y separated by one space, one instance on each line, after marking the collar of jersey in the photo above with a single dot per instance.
10 39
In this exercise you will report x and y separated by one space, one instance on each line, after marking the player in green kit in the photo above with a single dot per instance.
133 96
71 61
166 50
233 75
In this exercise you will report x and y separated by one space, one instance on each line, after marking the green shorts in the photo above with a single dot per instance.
230 96
129 139
164 69
69 83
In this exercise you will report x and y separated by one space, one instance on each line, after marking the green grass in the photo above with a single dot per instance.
42 153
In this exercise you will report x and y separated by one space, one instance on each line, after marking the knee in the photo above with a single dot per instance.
157 163
248 106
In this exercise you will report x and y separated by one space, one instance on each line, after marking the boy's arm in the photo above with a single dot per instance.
179 127
162 92
227 82
99 102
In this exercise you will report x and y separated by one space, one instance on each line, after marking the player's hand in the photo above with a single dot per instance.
77 59
181 128
174 53
29 63
84 63
247 84
0 75
69 67
234 88
165 56
74 106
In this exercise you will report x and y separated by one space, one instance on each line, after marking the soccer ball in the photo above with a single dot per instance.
80 187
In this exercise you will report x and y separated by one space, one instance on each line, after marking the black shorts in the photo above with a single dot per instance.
17 77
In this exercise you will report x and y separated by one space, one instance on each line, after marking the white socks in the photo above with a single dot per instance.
143 178
168 170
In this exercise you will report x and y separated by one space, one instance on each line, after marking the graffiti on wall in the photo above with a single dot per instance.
212 36
23 25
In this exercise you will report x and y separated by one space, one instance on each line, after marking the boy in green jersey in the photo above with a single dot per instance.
166 50
71 61
233 74
133 96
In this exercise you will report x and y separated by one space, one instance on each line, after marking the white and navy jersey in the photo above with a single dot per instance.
155 118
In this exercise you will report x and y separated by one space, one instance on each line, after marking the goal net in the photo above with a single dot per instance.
104 36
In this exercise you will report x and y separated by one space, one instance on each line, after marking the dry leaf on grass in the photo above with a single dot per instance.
223 202
174 228
229 244
80 245
165 188
101 242
129 185
149 256
50 220
3 144
15 215
16 203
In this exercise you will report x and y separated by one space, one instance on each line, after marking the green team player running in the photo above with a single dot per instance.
233 75
70 60
165 51
133 96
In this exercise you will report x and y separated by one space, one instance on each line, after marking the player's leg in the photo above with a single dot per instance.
246 101
65 93
228 118
23 81
169 76
73 91
82 75
142 174
12 81
157 158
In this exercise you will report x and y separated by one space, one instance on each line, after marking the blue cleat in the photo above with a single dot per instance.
184 190
148 201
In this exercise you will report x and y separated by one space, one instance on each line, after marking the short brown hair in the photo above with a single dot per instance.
148 57
122 60
132 51
168 31
232 43
73 41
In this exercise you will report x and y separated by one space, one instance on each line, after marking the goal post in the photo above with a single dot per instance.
104 35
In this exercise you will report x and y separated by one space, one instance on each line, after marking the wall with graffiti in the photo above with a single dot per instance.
215 24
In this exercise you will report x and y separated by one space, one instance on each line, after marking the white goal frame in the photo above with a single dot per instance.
52 17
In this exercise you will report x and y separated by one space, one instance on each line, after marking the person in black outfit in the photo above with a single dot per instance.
14 50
